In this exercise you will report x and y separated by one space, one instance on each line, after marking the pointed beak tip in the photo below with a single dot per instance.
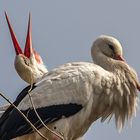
18 50
5 13
119 57
28 46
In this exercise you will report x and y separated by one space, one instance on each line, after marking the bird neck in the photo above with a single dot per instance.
118 97
39 71
119 68
30 72
109 64
104 61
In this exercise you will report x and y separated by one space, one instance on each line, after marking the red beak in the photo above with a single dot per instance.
28 45
15 42
118 57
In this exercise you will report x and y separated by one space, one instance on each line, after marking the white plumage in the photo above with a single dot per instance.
29 65
87 91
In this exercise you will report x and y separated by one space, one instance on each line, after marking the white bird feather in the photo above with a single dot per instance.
105 89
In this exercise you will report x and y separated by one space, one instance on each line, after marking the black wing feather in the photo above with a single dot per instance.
12 124
19 98
15 125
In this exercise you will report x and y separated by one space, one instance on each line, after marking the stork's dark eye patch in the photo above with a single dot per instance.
111 47
26 62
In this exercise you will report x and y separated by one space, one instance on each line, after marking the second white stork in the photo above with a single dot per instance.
29 65
71 97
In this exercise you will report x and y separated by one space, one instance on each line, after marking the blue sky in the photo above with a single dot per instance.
63 31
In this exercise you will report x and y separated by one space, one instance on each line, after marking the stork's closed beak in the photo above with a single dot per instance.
15 42
118 57
28 45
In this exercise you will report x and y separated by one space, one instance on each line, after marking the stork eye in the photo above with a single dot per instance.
111 47
26 62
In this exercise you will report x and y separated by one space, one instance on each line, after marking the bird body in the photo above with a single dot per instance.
71 97
79 75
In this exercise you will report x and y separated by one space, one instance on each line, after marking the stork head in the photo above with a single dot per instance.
28 64
107 52
107 46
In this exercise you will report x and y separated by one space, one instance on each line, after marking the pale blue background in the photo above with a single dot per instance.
63 31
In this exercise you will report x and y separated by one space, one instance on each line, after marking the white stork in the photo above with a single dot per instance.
71 97
29 65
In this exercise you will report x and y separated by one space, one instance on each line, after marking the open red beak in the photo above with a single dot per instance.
28 45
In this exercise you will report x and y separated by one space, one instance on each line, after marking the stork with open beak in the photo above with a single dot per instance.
29 64
71 97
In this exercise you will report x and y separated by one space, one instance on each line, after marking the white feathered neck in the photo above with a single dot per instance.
119 95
